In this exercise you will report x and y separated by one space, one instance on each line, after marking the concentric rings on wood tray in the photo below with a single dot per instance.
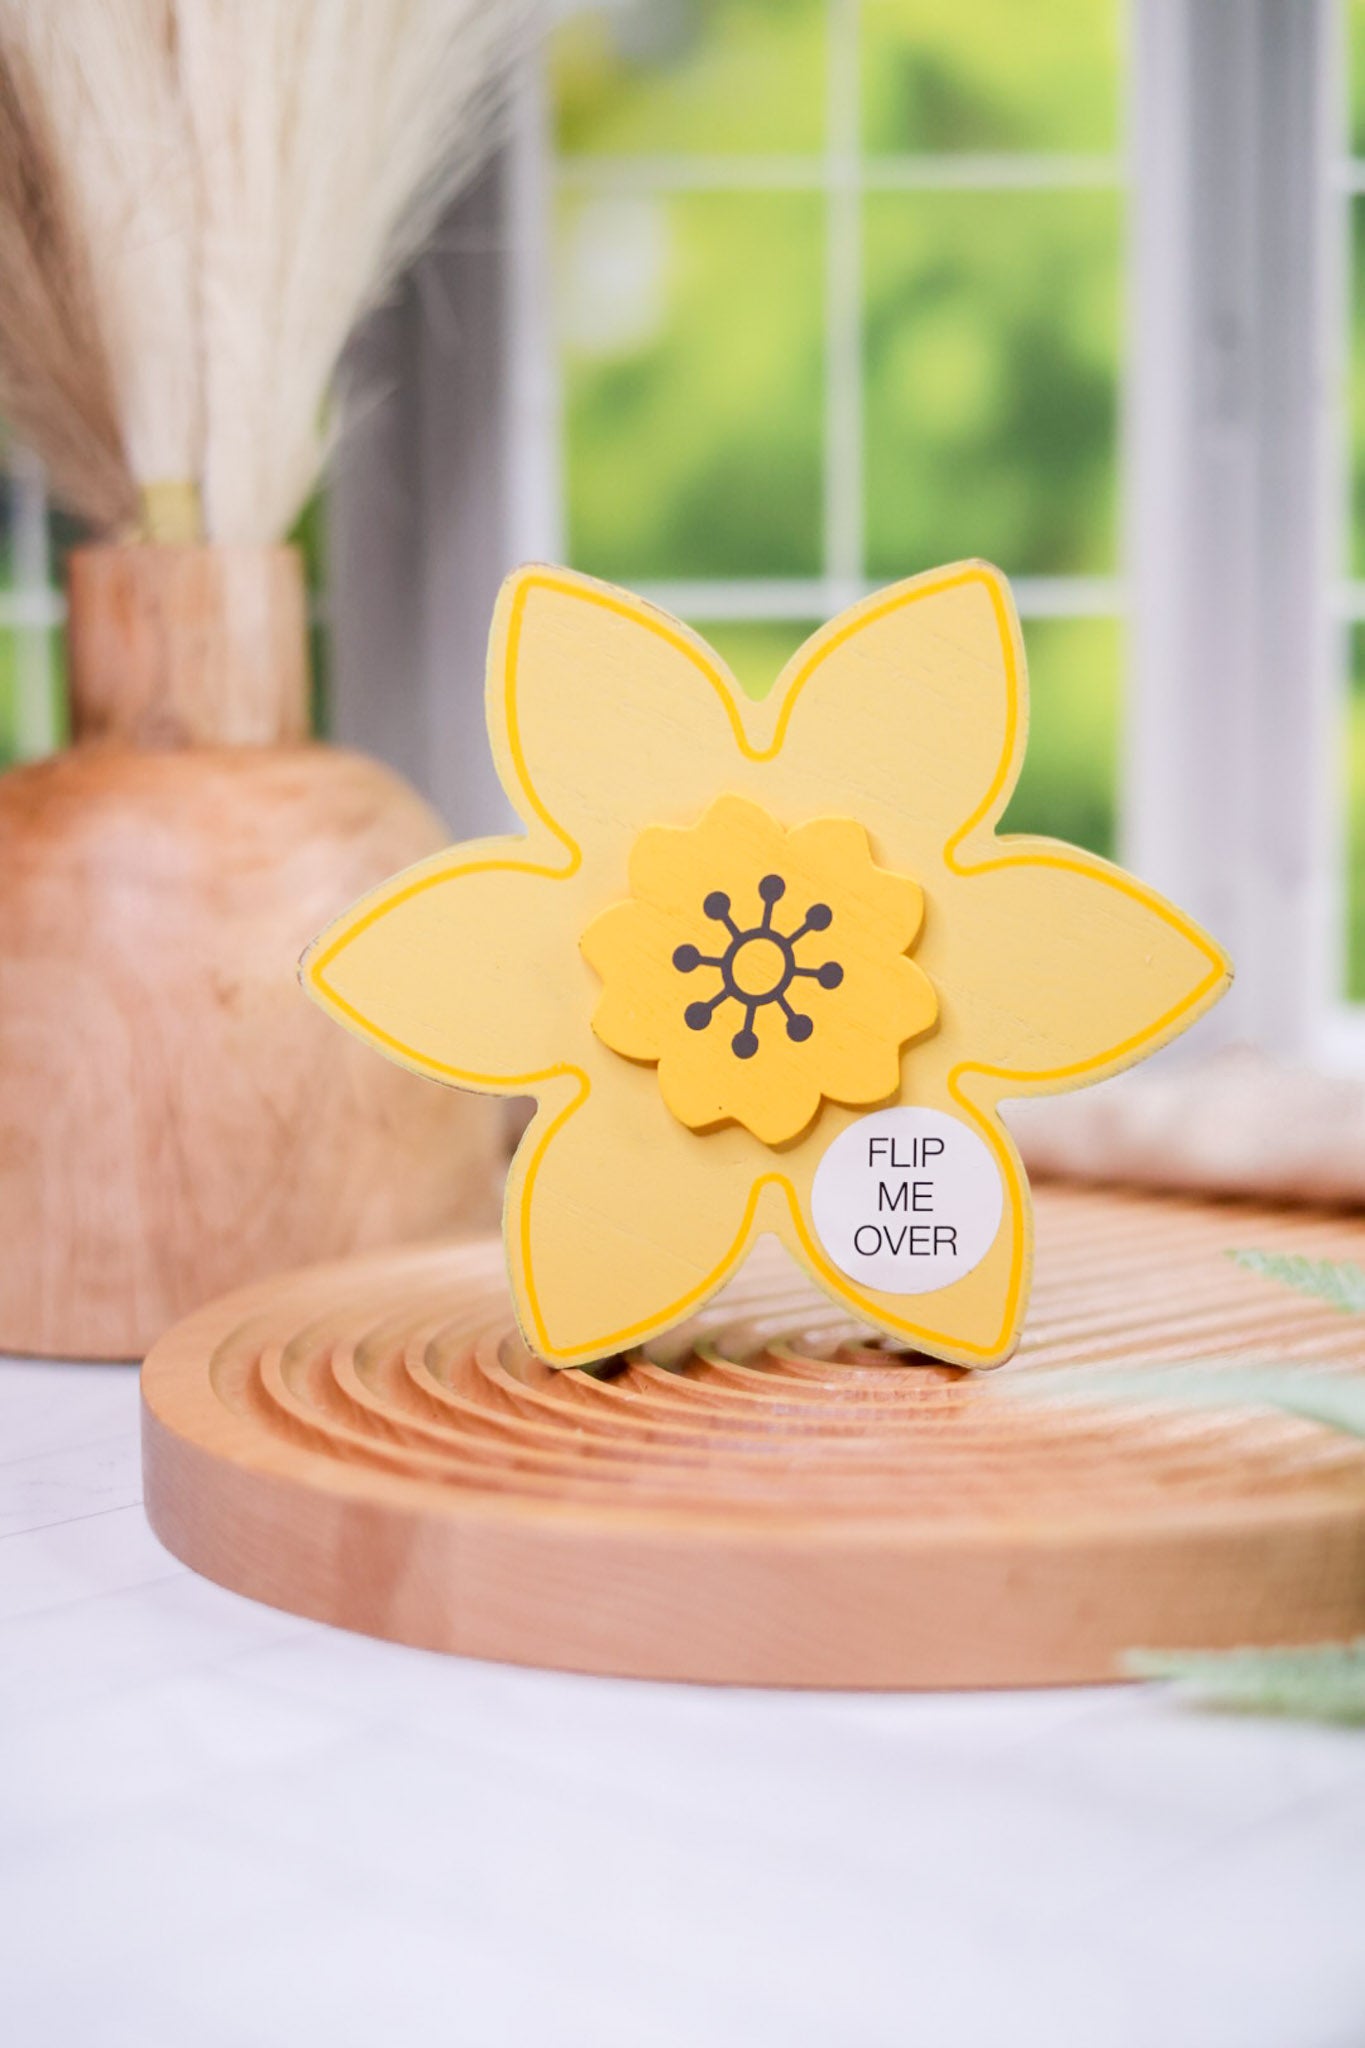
771 1498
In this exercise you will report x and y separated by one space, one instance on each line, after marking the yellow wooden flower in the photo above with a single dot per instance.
703 1074
786 983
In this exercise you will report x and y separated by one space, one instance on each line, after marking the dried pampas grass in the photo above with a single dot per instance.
198 200
56 388
322 169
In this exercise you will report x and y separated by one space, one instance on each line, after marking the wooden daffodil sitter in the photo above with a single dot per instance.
766 967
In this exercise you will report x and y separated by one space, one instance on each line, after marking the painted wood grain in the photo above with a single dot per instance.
780 1500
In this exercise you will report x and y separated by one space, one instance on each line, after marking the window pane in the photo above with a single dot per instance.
9 738
992 380
693 360
756 649
1356 400
729 77
33 713
997 75
1355 29
310 538
1069 785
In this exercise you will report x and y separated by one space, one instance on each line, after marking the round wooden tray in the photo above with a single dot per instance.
781 1502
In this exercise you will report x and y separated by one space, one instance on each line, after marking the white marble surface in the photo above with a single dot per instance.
221 1827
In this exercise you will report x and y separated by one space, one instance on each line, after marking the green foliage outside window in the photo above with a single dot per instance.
693 324
692 77
694 360
991 76
991 385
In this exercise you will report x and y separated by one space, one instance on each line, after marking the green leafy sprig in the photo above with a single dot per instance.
1338 1282
1325 1681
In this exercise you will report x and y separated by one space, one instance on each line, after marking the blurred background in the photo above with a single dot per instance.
765 302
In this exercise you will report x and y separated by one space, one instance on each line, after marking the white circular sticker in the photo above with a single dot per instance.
907 1200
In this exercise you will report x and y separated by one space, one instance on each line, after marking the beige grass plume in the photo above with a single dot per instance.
198 199
56 385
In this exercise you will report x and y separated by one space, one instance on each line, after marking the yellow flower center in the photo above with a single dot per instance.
761 969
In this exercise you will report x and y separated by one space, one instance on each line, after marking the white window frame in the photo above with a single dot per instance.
1236 502
842 175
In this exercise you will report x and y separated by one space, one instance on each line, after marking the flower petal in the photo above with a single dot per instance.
977 1320
890 1003
605 714
624 946
463 967
908 712
822 929
618 1221
1089 969
887 908
704 1084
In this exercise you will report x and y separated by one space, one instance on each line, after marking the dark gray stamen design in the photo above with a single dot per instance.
758 966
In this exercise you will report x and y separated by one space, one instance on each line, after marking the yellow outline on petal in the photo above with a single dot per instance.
422 1063
314 965
825 642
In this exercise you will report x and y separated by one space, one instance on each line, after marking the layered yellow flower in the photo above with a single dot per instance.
732 929
799 987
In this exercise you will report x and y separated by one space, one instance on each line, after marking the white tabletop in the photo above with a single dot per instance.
221 1827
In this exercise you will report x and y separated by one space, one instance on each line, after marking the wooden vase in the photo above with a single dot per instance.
175 1117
